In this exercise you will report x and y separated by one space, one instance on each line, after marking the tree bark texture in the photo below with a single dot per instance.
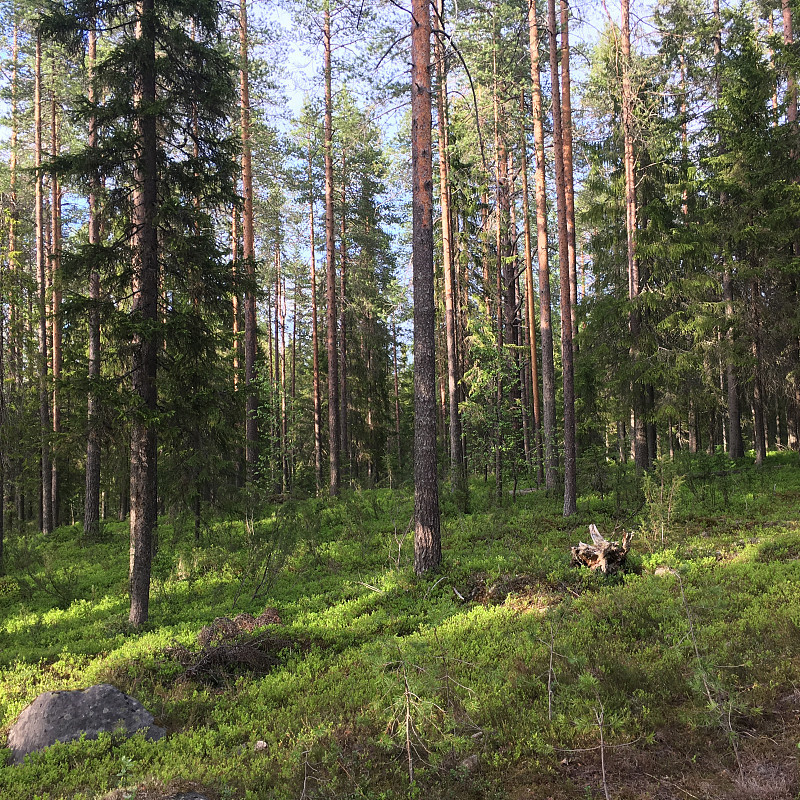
144 316
330 273
427 538
315 387
457 472
545 323
46 508
567 353
55 314
735 443
634 321
530 298
569 182
344 431
248 252
91 509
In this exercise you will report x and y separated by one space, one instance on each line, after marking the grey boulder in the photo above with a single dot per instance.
65 716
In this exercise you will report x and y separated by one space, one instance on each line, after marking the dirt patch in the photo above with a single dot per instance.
677 765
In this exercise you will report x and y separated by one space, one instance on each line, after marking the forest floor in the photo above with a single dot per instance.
507 674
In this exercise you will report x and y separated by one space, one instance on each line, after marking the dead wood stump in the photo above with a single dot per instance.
602 555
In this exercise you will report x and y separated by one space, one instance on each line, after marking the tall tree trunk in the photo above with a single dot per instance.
315 387
91 509
144 315
14 315
283 389
344 434
501 234
634 320
55 267
569 183
759 438
457 472
735 444
248 252
277 417
41 273
427 536
396 397
545 324
530 299
330 283
788 39
3 421
567 354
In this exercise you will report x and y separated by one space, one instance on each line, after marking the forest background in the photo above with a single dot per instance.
206 331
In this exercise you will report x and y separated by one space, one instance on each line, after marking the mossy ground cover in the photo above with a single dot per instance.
499 676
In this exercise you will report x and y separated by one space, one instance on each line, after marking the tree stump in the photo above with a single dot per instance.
607 557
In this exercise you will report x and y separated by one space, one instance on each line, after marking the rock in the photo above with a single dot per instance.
260 745
470 763
64 716
188 796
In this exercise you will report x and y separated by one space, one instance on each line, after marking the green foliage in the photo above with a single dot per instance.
399 676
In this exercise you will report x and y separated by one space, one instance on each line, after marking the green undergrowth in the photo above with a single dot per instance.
390 682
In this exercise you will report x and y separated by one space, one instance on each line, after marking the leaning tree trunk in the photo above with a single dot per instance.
427 538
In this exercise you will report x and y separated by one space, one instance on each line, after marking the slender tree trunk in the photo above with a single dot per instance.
427 537
248 252
788 39
277 394
55 267
291 431
759 438
501 234
41 272
545 324
315 387
144 313
396 397
567 353
330 253
91 510
15 366
569 183
735 444
3 421
530 300
344 433
284 389
235 305
457 473
634 319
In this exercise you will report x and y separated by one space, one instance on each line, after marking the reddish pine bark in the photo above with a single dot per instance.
427 537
